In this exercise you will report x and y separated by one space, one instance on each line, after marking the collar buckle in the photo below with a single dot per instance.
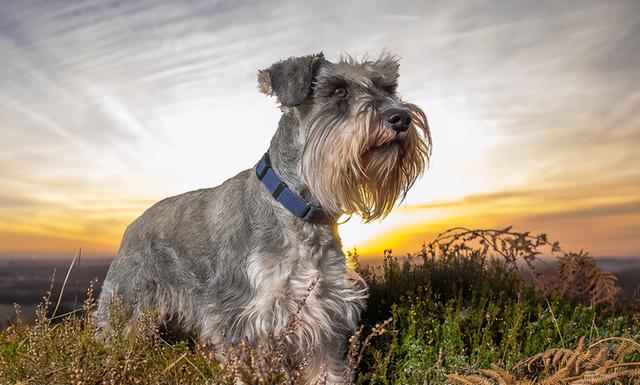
311 213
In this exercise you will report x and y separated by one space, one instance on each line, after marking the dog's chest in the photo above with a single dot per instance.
310 283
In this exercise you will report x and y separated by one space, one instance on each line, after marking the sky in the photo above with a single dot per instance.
109 106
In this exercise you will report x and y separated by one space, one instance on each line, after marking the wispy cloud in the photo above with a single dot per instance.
107 106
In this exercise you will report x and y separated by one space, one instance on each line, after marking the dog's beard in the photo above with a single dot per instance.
355 165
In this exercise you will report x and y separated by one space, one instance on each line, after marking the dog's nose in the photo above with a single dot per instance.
397 119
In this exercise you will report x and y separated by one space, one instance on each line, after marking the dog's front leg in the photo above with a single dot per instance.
327 366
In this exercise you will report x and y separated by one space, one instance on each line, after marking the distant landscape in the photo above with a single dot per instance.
25 281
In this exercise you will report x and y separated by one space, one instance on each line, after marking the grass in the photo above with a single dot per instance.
458 312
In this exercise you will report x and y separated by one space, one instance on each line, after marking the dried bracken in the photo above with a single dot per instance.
575 277
603 362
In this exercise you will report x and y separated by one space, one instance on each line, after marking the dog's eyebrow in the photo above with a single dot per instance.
382 81
366 82
335 80
327 84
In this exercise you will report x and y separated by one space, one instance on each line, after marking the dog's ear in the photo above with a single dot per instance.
290 80
388 66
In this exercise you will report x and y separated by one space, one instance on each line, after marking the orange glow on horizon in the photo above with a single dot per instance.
592 222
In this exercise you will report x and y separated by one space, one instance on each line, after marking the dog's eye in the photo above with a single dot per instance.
340 92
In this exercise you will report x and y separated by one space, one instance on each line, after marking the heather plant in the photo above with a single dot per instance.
458 312
461 304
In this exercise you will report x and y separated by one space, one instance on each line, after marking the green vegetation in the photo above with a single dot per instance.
458 312
461 304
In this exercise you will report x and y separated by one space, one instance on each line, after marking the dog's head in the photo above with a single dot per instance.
361 146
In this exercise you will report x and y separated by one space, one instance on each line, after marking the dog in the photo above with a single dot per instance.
235 262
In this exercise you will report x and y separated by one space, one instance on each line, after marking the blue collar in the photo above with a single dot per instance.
283 194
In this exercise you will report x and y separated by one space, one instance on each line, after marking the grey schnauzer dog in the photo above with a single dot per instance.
235 261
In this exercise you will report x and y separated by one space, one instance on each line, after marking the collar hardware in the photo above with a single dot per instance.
288 198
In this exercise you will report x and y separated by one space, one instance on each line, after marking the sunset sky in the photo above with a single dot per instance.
109 106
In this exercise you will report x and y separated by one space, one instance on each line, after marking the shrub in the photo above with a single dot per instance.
461 304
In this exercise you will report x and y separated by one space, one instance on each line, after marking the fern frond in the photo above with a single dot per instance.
599 359
557 378
595 379
551 358
596 364
626 348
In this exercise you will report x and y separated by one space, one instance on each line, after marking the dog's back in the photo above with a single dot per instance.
171 254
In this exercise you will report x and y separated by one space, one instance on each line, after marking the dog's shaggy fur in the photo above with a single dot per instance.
231 263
